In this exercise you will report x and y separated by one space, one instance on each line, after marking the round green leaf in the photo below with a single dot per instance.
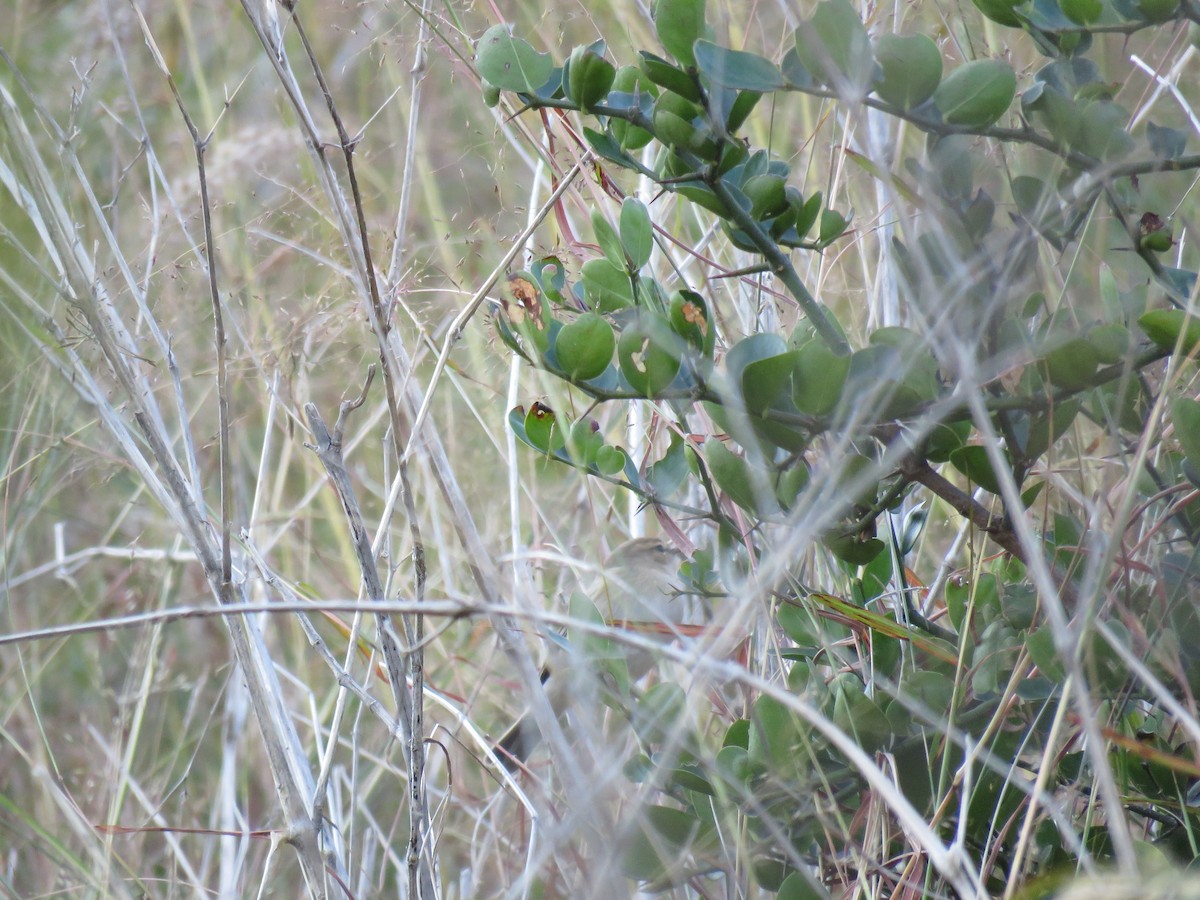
1102 130
1057 113
910 69
1158 10
1000 11
1031 195
854 549
1072 364
668 474
857 714
606 285
944 439
674 102
818 380
590 76
675 131
649 354
583 443
606 146
973 462
679 24
976 94
833 226
672 129
740 111
1164 326
745 485
1185 413
585 347
770 873
1044 653
737 69
765 381
510 63
775 734
551 277
703 196
903 339
692 778
794 72
767 193
542 429
1111 342
797 887
631 80
665 75
630 137
734 765
610 460
755 347
833 46
737 735
637 233
1082 12
806 213
608 239
858 479
675 827
791 483
1048 427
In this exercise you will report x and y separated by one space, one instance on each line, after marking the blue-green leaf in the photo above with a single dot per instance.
736 68
584 348
606 285
1166 143
608 147
833 46
637 233
1185 413
974 462
679 24
976 94
511 63
1164 327
608 239
819 378
910 69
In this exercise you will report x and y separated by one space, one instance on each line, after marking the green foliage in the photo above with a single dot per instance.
650 353
585 347
833 46
589 77
1000 11
910 69
509 63
1172 329
864 430
679 23
976 94
736 69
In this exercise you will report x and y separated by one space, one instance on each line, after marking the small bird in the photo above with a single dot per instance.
639 583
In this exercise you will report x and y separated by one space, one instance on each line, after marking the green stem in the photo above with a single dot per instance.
783 269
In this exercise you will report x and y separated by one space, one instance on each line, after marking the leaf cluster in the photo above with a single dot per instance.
868 431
